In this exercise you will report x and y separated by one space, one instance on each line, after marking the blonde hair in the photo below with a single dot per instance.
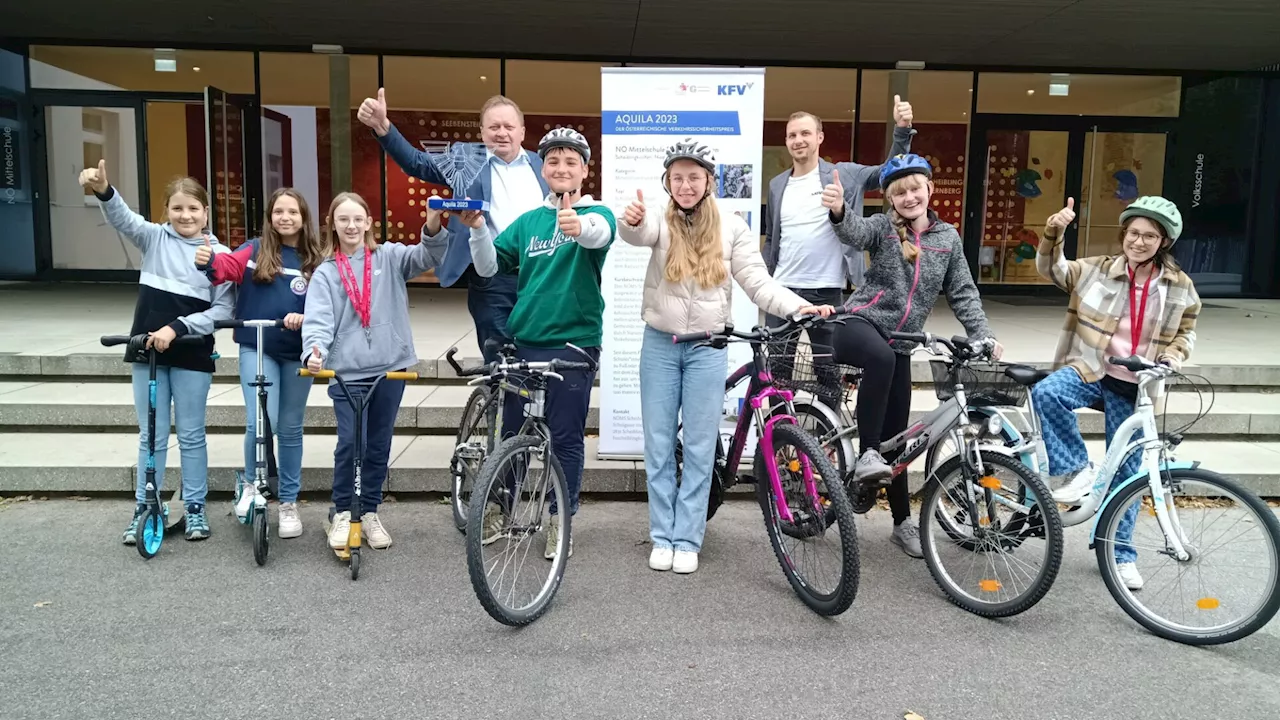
309 248
498 101
370 243
696 250
903 184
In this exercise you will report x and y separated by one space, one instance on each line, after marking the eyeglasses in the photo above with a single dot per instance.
1147 237
694 181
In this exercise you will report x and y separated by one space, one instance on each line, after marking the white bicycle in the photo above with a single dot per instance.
1211 558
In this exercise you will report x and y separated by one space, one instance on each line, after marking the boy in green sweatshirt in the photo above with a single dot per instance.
558 252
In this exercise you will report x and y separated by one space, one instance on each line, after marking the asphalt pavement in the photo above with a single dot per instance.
90 630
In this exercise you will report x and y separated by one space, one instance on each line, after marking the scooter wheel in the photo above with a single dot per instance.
151 533
355 563
260 546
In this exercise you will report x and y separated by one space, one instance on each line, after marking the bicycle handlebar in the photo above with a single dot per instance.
761 332
223 324
1133 363
509 363
141 339
957 345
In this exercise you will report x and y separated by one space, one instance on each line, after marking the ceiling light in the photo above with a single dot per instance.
484 78
195 68
1031 92
1059 84
166 60
326 49
910 65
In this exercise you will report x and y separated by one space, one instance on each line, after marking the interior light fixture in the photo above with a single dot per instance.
910 65
195 68
1031 92
1059 84
166 60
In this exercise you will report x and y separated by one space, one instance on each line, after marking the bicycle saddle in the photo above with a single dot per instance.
1024 375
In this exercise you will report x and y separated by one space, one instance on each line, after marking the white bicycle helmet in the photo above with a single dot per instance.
564 137
690 149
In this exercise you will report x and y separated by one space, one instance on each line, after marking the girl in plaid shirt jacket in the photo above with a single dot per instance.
1136 303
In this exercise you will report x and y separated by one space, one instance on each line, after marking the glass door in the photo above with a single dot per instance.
1120 167
232 138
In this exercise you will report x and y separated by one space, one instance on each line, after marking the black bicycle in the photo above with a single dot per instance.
510 502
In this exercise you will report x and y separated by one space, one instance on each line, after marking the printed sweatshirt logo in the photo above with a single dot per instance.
539 246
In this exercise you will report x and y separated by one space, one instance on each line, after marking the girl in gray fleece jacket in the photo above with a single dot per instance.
356 323
914 257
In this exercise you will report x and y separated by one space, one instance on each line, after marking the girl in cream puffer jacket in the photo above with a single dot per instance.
695 250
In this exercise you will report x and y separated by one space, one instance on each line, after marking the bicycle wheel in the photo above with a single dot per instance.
717 481
510 577
469 450
1010 553
151 531
818 527
1227 589
260 546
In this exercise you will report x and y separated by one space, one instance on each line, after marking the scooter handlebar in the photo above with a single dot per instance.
223 324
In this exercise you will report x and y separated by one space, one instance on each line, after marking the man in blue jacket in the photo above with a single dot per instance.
497 170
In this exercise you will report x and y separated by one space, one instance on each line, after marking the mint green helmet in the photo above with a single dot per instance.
1157 209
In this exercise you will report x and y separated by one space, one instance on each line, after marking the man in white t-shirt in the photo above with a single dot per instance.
801 249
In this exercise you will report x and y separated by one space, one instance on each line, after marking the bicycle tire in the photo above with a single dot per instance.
474 413
491 473
1053 534
354 563
150 532
260 536
1262 515
839 600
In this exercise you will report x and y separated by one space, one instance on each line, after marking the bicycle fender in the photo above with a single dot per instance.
1135 478
834 418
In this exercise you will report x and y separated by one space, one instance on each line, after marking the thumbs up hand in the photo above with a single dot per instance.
634 214
95 178
567 219
901 112
1061 219
314 364
833 196
204 254
373 113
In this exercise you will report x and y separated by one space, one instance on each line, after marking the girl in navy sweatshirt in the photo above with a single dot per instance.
175 300
273 273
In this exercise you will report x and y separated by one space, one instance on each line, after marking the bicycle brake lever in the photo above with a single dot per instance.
552 374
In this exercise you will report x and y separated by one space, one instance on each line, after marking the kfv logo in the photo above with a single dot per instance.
733 89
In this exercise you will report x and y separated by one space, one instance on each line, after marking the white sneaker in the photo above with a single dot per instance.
661 558
373 531
290 523
494 524
340 530
245 494
1078 487
1129 575
684 562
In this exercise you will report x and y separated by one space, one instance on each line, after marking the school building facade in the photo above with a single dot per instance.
1090 100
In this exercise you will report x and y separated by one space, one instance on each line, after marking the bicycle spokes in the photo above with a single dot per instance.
517 520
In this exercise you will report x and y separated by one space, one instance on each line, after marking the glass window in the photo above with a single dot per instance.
940 103
99 68
1024 178
325 152
433 102
559 94
17 231
1077 94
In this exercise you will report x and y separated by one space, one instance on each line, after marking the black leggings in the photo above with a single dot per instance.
884 396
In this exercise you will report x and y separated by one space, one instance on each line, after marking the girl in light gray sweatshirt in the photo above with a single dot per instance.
357 324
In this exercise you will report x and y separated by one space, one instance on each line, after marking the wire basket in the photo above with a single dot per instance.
801 366
985 384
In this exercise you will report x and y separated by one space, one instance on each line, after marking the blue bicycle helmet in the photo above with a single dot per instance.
901 166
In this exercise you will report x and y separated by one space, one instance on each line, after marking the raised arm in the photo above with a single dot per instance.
640 227
1050 261
224 266
852 229
135 228
222 308
902 134
413 161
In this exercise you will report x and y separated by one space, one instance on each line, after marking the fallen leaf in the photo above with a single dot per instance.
912 716
79 498
44 603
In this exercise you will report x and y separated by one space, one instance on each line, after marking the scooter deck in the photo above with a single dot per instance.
343 553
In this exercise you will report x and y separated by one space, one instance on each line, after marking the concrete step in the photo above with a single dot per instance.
84 362
437 409
107 462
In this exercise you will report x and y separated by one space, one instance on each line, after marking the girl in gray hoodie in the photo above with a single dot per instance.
914 257
356 323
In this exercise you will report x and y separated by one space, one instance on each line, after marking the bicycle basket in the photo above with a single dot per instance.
801 366
985 384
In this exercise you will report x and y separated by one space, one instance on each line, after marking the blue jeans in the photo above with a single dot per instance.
379 424
678 380
187 391
567 405
1056 398
286 406
490 300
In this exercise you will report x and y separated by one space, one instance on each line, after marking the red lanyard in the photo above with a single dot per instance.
1138 320
361 297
